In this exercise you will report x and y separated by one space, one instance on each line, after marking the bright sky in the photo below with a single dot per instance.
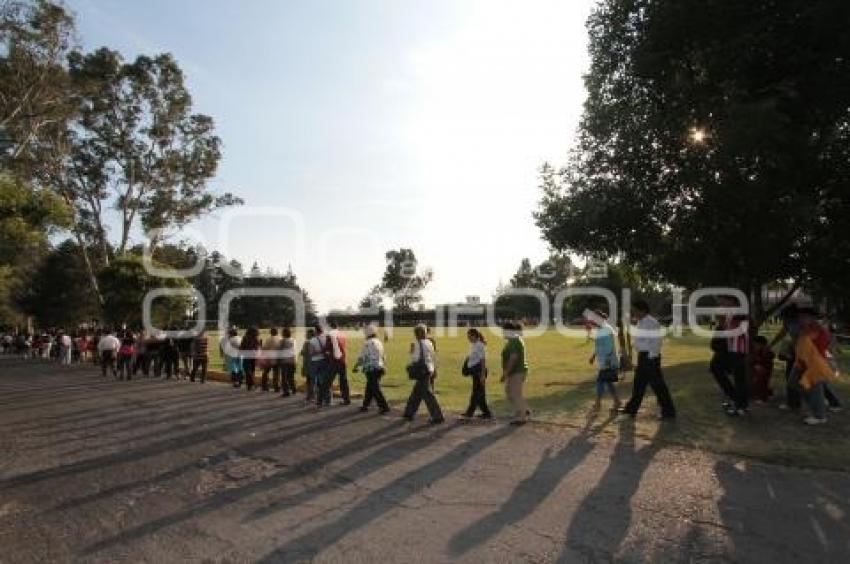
353 127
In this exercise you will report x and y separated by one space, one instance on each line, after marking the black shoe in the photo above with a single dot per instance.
384 411
364 409
439 421
485 416
407 418
346 402
285 395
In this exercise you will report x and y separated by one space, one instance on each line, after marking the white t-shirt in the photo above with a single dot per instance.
108 343
477 353
427 348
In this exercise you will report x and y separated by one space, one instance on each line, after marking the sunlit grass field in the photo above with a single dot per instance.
560 389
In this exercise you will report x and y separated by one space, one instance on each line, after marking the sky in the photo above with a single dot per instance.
351 127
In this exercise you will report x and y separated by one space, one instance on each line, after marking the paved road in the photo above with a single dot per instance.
164 471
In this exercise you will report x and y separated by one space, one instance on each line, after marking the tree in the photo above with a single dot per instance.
549 277
714 143
57 293
125 283
402 280
37 37
28 216
139 146
373 299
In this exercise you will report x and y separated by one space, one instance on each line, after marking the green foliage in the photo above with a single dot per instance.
403 281
36 37
714 143
27 217
125 283
550 277
138 137
58 293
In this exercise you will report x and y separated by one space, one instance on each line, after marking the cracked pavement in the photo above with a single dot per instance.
95 470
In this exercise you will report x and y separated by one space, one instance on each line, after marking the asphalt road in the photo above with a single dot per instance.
94 470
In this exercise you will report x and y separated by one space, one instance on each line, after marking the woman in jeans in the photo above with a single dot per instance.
476 366
371 361
125 356
421 368
605 355
515 371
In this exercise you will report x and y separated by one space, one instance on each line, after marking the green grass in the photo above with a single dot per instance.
560 390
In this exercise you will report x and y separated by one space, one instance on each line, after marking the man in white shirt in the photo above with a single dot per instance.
648 371
107 348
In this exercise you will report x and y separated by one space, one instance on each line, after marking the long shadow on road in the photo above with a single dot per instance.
222 408
224 428
287 433
233 495
385 499
391 453
532 491
605 514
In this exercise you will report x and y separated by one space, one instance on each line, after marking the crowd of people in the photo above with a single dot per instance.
742 365
808 349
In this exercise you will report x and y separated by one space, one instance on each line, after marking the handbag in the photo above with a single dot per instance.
419 369
464 370
611 372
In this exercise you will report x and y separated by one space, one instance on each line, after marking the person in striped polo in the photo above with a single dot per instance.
737 347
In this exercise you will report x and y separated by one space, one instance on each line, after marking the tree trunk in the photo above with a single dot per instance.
89 267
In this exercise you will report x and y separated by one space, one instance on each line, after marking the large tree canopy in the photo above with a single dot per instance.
715 142
27 218
118 141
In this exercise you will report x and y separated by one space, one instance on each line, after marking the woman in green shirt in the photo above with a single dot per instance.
514 371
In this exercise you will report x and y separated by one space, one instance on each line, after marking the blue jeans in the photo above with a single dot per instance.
817 402
602 385
318 373
814 396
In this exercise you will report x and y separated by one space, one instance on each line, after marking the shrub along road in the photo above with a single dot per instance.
159 471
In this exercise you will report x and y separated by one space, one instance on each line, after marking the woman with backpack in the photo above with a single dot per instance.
475 366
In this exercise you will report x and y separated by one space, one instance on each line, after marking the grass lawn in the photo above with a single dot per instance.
560 390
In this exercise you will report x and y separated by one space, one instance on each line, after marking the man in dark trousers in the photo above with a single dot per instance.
648 338
337 362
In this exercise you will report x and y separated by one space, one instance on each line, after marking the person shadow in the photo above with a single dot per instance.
771 514
604 516
385 499
529 494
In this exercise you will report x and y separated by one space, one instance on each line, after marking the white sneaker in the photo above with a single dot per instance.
835 408
812 420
